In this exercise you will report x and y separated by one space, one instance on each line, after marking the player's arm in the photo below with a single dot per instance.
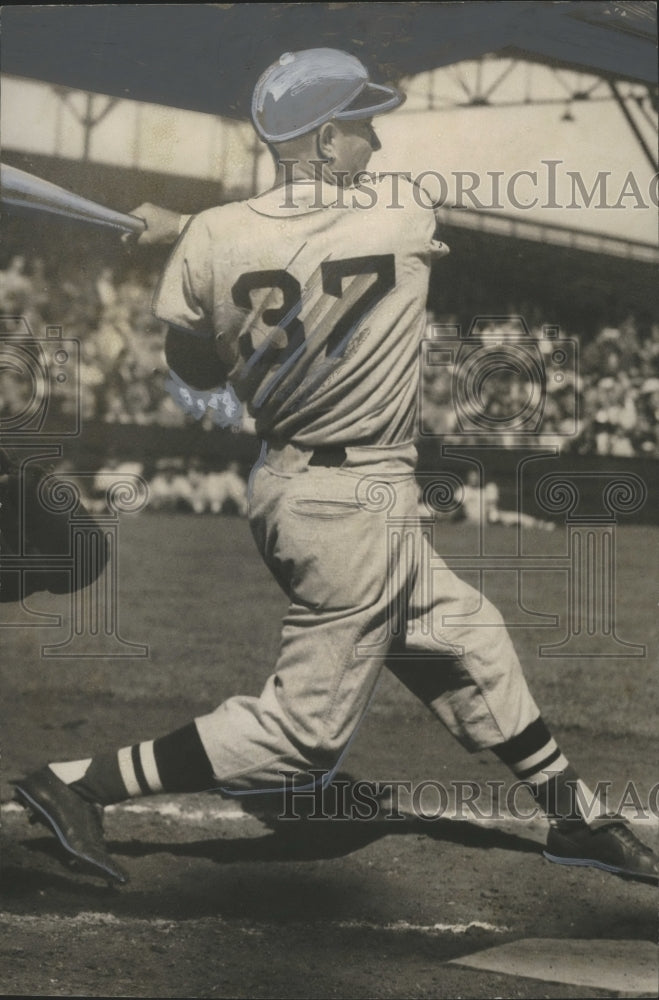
163 226
197 324
428 223
194 359
183 299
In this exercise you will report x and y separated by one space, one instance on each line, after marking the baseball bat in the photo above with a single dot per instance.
23 190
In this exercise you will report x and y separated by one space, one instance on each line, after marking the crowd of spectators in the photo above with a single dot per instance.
173 485
604 402
194 488
121 370
503 384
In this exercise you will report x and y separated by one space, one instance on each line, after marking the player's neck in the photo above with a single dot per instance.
300 171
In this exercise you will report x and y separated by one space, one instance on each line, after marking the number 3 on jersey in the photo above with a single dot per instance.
310 325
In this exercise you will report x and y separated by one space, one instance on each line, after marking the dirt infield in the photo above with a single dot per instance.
224 903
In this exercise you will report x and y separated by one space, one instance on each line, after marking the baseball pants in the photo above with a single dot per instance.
366 590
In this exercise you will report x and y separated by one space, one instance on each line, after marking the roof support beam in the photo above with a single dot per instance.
652 156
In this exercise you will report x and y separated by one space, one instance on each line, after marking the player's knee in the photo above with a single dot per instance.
477 610
491 615
322 755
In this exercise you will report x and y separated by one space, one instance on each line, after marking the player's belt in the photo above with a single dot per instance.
290 458
329 457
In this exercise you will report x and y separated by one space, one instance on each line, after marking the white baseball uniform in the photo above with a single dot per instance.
327 362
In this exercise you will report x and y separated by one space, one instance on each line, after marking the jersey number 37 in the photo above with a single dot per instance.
305 325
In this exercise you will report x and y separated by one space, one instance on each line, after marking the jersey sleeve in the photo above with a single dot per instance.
408 199
184 297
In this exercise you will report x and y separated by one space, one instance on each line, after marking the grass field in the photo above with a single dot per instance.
220 905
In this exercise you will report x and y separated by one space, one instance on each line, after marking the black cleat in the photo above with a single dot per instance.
76 823
608 844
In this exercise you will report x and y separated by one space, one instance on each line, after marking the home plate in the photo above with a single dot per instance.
623 966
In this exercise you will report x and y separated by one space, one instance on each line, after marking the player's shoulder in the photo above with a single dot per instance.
400 195
409 208
398 189
204 233
218 217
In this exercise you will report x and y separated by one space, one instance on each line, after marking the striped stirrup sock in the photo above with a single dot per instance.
176 762
534 757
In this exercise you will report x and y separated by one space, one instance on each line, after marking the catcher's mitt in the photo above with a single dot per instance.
35 540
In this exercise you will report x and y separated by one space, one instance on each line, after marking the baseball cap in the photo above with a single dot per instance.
304 89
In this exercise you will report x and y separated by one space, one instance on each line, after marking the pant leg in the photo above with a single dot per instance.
457 656
329 553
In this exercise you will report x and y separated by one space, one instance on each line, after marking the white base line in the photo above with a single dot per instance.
93 919
403 925
159 807
176 809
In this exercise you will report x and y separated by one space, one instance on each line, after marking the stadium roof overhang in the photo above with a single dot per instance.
205 57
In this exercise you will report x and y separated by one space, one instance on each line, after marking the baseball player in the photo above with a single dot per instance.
226 488
482 503
310 300
170 488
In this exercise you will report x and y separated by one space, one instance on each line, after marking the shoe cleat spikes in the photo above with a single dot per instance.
76 823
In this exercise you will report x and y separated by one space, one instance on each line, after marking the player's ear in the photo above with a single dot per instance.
326 139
